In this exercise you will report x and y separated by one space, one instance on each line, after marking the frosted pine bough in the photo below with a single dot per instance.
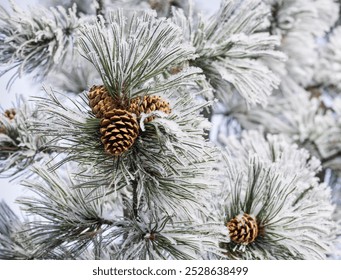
19 149
274 182
230 48
299 24
168 193
36 39
328 67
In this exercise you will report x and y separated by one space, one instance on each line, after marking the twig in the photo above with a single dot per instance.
135 202
99 10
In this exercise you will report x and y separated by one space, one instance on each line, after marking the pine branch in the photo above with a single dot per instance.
74 217
71 216
302 118
151 237
230 49
169 193
274 182
127 61
100 7
9 247
134 68
169 155
329 63
15 241
37 39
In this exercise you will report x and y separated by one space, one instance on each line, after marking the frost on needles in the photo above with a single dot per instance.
230 47
275 182
36 40
169 135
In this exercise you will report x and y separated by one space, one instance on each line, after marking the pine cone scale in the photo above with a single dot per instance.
131 126
120 123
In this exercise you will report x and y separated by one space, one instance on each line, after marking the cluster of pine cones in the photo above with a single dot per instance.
119 126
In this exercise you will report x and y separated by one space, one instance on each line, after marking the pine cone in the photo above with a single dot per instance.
10 113
243 229
119 129
100 101
148 104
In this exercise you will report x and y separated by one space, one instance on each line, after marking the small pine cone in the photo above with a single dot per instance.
10 113
119 129
100 101
243 229
148 104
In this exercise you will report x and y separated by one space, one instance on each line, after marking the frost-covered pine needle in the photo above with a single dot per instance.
275 182
36 40
230 48
129 52
19 147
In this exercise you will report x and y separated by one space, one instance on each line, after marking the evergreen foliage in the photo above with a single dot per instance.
242 159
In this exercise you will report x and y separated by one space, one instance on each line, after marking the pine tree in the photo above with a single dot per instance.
163 134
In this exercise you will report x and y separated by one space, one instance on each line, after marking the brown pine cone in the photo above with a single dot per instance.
243 229
100 101
10 113
119 129
148 104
